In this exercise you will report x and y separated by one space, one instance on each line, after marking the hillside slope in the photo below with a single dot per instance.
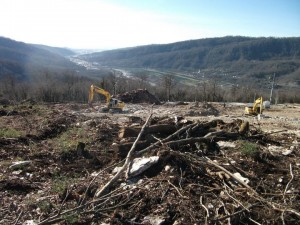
240 56
21 60
59 51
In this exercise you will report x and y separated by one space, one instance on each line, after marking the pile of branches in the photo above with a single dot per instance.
192 182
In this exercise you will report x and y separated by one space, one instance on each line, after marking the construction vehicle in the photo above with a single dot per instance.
112 104
256 109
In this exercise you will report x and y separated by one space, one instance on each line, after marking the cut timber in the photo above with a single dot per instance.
165 129
124 148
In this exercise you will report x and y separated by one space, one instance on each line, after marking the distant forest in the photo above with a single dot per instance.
218 69
203 53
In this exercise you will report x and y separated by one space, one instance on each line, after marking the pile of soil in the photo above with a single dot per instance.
139 96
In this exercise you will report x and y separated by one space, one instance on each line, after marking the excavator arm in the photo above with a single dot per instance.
99 91
258 105
256 109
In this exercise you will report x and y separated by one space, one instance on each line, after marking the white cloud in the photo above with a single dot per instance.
88 24
109 24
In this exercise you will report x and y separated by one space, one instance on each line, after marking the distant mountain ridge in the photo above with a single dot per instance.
246 56
56 50
21 60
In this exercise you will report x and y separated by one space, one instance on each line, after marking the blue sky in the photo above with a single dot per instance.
107 24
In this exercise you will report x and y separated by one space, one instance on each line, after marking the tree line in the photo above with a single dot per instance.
70 87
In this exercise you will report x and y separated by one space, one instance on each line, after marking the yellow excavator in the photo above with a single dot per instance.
256 109
112 104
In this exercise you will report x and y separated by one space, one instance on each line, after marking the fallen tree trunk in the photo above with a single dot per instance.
210 137
160 142
167 129
123 149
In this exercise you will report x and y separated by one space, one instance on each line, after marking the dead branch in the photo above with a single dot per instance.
19 216
209 161
65 198
288 184
92 181
206 210
57 218
254 221
177 190
158 143
127 162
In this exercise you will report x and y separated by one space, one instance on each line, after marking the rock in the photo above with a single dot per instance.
244 179
226 144
287 152
19 165
116 170
262 116
140 165
153 220
30 222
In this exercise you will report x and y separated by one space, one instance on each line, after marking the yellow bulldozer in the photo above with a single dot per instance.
112 104
256 109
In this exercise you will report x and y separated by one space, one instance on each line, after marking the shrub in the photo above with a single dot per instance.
10 133
249 149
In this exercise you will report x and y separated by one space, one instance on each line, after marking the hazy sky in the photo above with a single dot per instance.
106 24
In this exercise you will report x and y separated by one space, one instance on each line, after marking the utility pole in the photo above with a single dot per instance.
272 87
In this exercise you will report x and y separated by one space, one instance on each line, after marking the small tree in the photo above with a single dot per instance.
203 86
143 79
169 82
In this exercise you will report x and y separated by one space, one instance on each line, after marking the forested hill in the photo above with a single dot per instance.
248 56
22 60
60 51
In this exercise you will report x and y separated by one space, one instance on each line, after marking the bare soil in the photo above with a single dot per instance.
69 152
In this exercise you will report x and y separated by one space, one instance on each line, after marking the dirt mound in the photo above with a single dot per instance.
139 96
204 109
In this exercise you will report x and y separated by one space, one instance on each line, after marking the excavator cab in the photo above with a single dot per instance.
115 105
256 109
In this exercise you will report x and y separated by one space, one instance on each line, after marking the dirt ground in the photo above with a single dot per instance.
214 169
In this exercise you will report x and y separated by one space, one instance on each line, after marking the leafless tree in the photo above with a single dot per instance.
169 82
143 79
203 85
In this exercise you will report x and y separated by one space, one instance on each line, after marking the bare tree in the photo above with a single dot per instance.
169 82
203 85
143 79
113 79
9 86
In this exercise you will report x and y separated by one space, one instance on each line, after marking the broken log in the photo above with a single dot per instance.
123 149
169 138
166 129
